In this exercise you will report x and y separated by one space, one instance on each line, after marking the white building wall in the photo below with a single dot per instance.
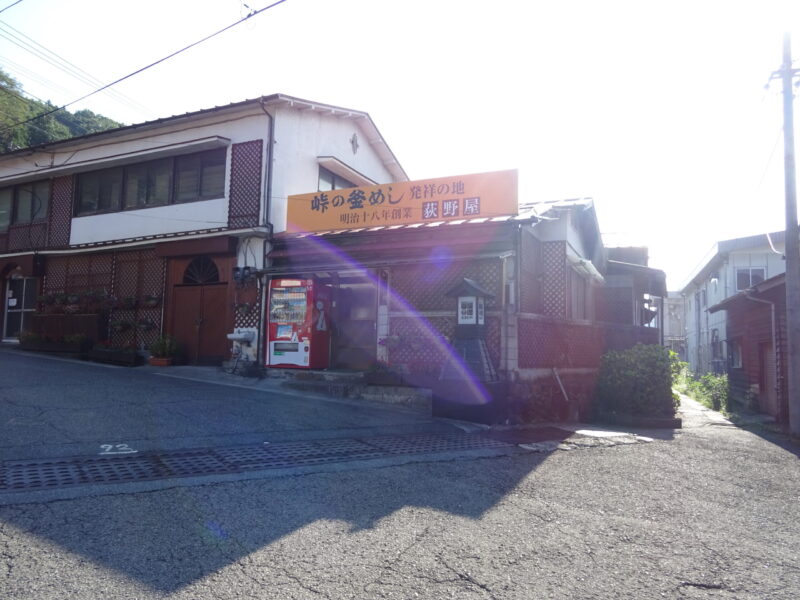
301 137
719 285
140 145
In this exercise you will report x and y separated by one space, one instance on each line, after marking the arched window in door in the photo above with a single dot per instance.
201 271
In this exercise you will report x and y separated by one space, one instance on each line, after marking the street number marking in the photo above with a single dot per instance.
116 449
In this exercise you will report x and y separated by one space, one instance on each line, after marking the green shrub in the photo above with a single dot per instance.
709 390
637 382
164 347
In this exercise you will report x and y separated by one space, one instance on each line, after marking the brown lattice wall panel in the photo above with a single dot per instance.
78 273
245 184
546 344
27 237
138 274
530 274
423 343
493 339
424 285
554 292
55 279
248 294
60 211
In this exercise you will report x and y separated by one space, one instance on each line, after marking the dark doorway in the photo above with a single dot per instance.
355 342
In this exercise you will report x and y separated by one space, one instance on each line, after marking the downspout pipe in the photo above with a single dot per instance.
268 180
267 194
774 340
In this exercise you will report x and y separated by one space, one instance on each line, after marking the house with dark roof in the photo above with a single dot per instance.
284 233
552 303
755 325
143 225
730 267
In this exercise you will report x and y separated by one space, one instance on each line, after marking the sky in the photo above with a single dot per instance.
658 111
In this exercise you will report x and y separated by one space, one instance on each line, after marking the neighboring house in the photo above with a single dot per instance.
155 216
734 265
756 341
675 324
548 319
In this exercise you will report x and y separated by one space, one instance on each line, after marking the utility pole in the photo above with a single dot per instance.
787 75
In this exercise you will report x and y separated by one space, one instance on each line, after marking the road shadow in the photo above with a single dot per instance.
169 539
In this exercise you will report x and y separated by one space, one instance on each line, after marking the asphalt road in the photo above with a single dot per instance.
709 512
52 407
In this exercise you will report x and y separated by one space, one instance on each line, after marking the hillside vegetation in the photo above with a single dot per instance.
15 108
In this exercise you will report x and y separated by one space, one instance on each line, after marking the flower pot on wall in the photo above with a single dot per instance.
160 361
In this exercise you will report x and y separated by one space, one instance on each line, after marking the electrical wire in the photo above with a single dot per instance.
129 75
54 59
9 6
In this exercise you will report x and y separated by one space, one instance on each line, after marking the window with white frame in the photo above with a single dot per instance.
187 178
748 277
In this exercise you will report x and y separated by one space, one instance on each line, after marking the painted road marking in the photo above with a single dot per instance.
116 449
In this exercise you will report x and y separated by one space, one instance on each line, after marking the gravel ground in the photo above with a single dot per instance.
710 513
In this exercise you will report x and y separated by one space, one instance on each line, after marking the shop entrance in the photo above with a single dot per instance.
355 340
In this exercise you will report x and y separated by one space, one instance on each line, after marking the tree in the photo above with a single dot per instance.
13 109
62 124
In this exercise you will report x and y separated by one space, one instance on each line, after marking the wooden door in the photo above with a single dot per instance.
768 398
197 322
186 319
212 343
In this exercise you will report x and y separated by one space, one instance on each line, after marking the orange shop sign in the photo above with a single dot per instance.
481 195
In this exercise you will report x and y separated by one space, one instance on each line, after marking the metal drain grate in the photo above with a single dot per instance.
57 473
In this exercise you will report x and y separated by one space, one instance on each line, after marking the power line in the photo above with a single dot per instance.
18 71
38 50
9 6
129 75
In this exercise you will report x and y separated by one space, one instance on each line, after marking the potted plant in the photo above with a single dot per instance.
151 300
163 350
145 325
128 302
120 325
107 352
30 340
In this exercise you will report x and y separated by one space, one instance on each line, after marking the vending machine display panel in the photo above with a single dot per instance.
298 333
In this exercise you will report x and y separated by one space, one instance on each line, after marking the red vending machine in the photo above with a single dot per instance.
298 327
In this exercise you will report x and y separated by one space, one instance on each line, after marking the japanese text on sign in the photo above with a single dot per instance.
443 199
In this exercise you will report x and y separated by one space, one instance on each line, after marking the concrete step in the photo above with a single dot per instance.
416 399
315 375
